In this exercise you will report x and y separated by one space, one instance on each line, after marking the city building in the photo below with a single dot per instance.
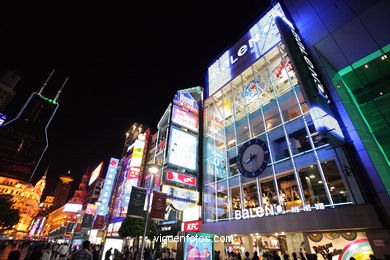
45 206
62 189
278 171
24 139
176 148
25 198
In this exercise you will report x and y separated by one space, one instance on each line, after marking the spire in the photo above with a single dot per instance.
59 91
47 81
45 174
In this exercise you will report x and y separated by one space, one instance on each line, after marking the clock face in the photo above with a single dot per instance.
253 158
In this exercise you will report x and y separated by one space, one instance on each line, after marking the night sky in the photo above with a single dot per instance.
125 62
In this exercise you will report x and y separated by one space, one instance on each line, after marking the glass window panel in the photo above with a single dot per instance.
230 136
288 64
302 101
278 144
319 139
257 123
288 191
271 114
336 185
288 106
209 207
235 194
312 185
242 129
251 200
239 102
298 136
222 200
268 190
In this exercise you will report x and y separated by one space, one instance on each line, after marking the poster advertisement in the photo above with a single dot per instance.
159 204
183 149
87 221
181 178
200 247
185 119
340 246
137 201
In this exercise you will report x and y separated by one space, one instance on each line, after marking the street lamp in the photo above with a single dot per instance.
153 169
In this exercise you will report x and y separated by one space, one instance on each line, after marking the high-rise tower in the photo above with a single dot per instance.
24 140
62 189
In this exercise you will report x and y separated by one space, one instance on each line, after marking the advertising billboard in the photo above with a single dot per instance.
181 194
185 119
72 207
105 194
181 178
198 246
137 202
256 42
133 171
186 101
95 174
183 149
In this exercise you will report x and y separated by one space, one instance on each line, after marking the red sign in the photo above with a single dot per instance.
193 226
159 204
99 222
181 178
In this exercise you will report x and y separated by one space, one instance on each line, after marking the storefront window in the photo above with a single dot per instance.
269 195
278 144
242 127
271 115
312 185
251 200
209 207
289 192
222 209
336 185
257 123
235 194
288 106
298 136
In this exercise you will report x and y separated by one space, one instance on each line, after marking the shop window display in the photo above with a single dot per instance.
250 195
336 185
269 195
288 192
312 185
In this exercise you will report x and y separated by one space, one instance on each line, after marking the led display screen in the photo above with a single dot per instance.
105 194
198 247
185 119
261 37
95 174
183 149
72 207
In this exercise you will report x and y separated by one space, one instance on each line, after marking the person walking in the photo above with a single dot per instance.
46 252
255 256
107 256
247 256
63 251
83 253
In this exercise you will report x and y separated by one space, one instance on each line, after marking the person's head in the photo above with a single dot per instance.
352 258
372 257
14 255
246 254
255 253
294 254
86 244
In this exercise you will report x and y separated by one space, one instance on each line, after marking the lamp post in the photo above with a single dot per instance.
153 169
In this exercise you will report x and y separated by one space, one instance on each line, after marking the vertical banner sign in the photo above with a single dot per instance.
70 227
159 204
78 229
87 221
99 222
135 208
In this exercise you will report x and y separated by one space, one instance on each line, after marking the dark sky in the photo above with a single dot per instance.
125 62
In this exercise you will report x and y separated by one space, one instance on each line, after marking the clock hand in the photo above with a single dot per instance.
251 156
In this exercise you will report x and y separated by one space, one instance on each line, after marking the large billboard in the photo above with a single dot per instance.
105 194
95 174
185 119
260 38
183 149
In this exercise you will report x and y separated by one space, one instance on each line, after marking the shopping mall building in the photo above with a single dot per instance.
280 169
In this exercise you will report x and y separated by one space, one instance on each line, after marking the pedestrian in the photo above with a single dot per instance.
302 256
372 257
117 254
238 256
286 256
46 252
14 255
314 256
54 252
247 256
294 255
83 253
107 256
63 251
352 258
255 256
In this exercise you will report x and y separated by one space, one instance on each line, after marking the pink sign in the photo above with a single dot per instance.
185 119
181 178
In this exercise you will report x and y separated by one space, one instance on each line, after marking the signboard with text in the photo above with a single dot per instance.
181 178
137 201
159 204
193 226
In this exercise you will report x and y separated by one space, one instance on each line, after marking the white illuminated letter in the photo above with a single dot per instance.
260 212
269 210
237 214
245 214
242 50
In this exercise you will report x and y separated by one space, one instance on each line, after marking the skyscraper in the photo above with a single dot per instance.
24 140
62 190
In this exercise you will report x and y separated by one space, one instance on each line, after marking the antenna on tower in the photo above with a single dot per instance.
47 169
46 81
59 91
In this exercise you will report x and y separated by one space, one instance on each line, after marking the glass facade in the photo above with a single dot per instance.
266 102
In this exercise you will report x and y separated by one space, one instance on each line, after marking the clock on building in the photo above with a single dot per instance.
253 158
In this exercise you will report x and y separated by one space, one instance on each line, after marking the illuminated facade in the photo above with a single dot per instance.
57 222
277 170
26 198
